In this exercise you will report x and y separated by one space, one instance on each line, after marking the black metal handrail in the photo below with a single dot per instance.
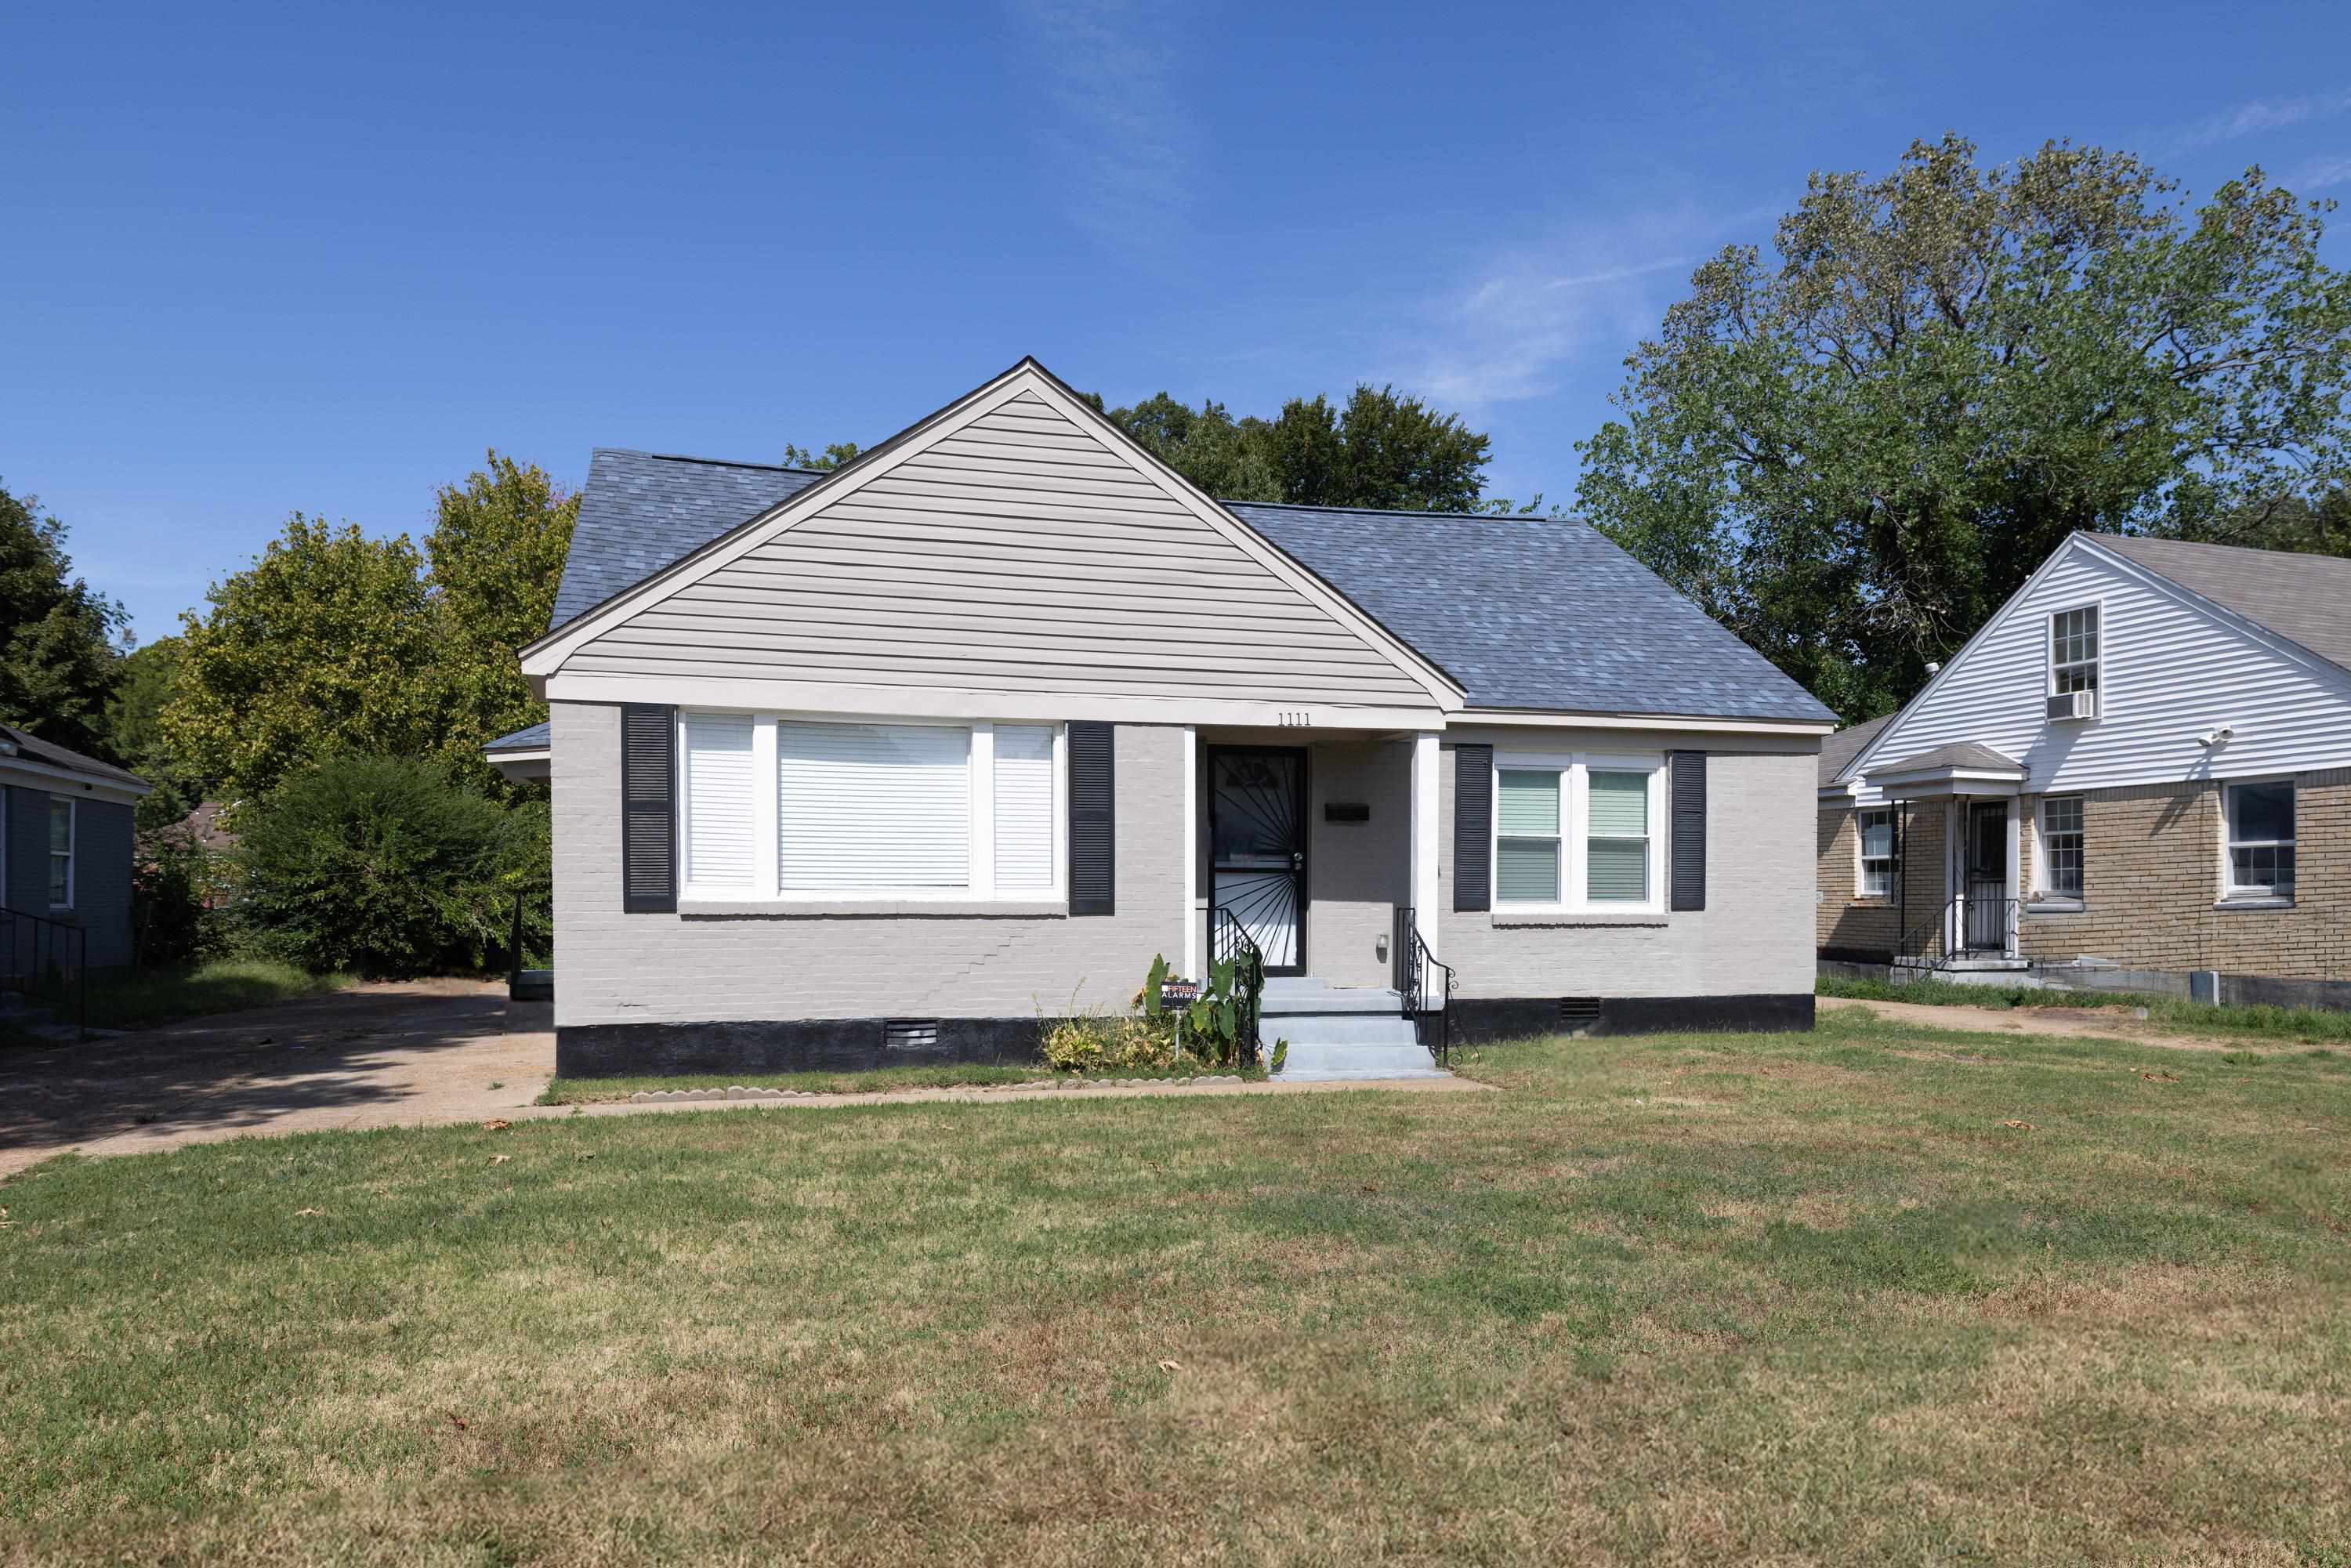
1229 941
1413 962
30 958
1982 924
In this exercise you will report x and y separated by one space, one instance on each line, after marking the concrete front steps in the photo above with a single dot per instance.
1337 1034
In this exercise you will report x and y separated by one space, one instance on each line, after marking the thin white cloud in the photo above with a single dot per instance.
1108 67
1574 305
2262 114
2324 174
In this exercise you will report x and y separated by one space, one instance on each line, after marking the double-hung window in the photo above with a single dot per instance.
2073 650
789 809
2061 846
2260 827
61 853
1577 833
1876 853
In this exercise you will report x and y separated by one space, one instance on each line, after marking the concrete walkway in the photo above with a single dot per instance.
426 1053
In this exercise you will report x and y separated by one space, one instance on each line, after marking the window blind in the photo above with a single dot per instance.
872 806
1024 809
720 789
1616 863
1526 822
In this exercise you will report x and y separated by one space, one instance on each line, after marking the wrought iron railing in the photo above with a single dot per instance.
1230 942
1966 926
46 960
1413 963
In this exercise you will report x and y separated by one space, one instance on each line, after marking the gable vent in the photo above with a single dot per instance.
1578 1012
910 1034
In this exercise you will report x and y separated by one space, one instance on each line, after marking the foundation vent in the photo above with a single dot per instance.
910 1034
1578 1012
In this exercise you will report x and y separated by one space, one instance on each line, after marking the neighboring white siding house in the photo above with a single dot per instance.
905 757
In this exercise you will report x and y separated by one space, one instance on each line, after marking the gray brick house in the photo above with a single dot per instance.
65 857
898 758
2141 764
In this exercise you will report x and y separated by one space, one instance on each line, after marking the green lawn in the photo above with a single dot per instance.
588 1091
1821 1299
2175 1014
137 999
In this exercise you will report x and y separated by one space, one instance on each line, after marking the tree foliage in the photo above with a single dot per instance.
334 642
824 462
57 656
380 865
326 645
495 559
134 730
1854 453
1384 449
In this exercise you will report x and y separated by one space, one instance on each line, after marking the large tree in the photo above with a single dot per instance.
326 645
1384 449
134 731
495 556
1854 452
57 656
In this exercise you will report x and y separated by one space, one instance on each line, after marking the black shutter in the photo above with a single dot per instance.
1473 827
1688 878
1093 826
648 809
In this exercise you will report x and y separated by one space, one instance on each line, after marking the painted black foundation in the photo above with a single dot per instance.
1479 1021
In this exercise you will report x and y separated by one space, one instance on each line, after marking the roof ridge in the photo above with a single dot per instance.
707 462
1409 512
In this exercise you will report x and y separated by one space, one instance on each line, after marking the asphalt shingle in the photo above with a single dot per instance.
2306 598
1526 613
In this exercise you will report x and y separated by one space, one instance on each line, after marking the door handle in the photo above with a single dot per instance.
1298 860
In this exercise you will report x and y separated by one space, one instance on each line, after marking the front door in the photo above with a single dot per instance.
1987 876
1257 849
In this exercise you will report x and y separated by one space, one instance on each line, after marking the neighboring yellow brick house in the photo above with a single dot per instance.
2142 763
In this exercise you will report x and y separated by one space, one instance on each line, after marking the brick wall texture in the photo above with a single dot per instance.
2151 878
1847 923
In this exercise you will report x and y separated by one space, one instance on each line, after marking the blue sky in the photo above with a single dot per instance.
264 258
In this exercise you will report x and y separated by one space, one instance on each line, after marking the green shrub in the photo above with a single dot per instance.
174 884
382 866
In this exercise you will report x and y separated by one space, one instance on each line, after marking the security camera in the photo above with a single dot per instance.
2212 737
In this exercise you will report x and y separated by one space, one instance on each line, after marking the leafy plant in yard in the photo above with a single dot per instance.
380 865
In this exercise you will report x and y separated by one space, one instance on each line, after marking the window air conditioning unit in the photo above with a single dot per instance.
2073 705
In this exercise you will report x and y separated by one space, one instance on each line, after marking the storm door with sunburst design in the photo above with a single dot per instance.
1256 840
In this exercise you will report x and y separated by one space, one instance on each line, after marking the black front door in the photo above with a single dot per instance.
1257 849
1987 876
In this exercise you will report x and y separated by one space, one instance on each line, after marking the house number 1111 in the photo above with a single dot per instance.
1296 720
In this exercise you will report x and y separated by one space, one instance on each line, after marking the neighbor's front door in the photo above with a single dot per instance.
1987 876
1257 849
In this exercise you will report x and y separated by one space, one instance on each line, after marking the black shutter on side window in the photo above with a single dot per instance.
1473 827
648 809
1689 877
1093 826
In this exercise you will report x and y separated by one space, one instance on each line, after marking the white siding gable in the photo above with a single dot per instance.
1016 551
2174 667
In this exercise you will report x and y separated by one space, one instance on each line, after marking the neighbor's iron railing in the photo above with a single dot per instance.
1413 962
45 959
1984 926
1229 941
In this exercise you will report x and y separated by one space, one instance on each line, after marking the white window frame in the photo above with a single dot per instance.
73 847
2043 886
767 869
1575 769
2231 890
1862 857
2097 607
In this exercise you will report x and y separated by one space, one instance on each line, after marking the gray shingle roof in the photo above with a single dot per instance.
1526 613
538 738
640 511
1838 750
1958 754
2306 598
33 749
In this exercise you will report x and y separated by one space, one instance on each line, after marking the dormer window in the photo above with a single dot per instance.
2073 650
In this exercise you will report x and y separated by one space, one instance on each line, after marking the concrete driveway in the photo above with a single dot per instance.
373 1056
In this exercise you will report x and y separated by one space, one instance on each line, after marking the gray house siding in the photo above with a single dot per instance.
102 853
619 971
1751 943
1019 555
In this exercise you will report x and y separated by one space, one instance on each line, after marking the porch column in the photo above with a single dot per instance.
1192 933
1424 839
